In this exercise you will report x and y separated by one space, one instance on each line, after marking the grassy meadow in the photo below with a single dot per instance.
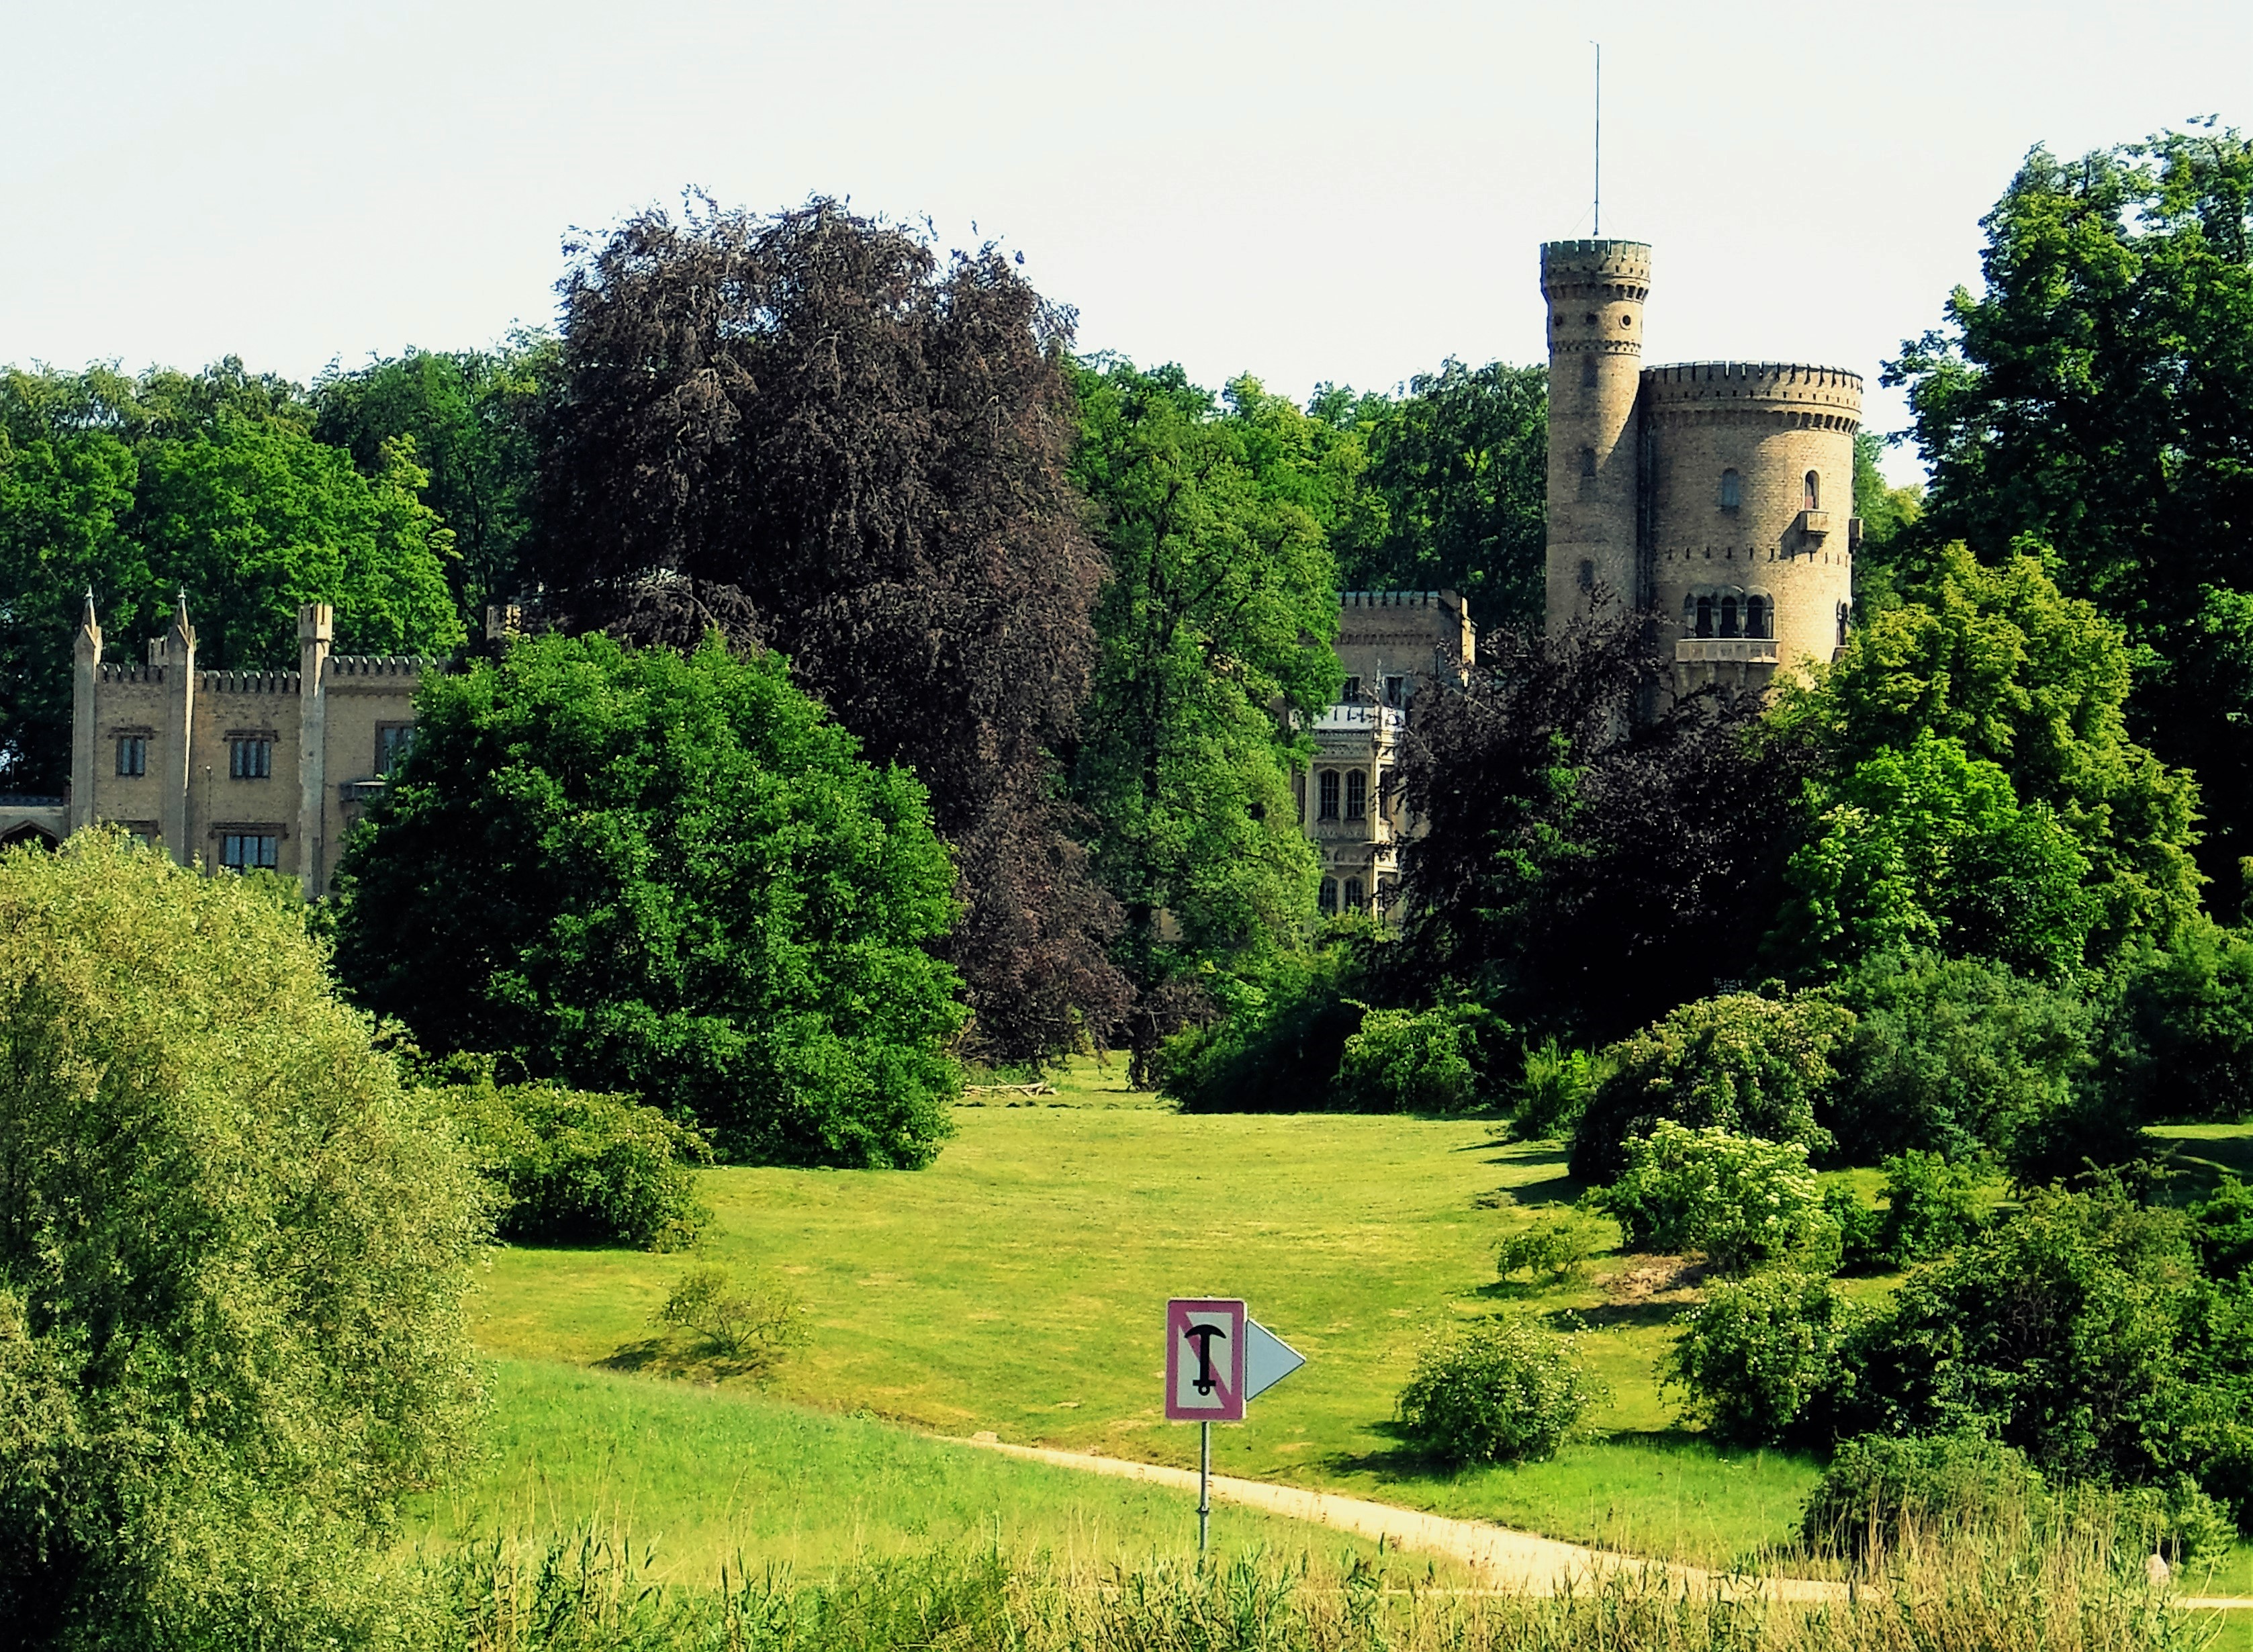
1018 1286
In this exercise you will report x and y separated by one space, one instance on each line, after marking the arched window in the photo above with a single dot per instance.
1733 491
1704 617
1811 497
1843 612
1299 791
1328 793
1588 371
1729 617
1756 616
1587 461
1689 616
1356 794
1328 899
1355 899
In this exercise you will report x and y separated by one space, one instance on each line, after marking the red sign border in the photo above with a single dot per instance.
1177 1312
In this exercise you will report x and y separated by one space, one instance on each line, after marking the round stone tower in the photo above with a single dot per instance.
1749 486
1595 290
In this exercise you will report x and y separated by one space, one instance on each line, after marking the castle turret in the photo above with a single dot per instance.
86 665
1595 290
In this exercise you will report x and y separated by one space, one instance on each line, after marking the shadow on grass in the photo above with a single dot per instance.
686 1360
1606 1316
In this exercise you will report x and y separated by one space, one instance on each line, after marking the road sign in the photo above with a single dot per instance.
1267 1359
1205 1360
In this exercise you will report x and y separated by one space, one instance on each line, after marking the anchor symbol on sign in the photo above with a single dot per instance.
1202 1335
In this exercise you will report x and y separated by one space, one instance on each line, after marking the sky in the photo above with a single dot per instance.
1307 192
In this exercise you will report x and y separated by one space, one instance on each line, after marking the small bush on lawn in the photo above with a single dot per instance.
749 1326
1738 1063
1560 1249
580 1168
2222 1228
1861 1229
1497 1391
1554 1090
1413 1061
1742 1201
1763 1360
1278 1043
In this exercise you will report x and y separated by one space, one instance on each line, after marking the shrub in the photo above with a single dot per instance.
1413 1061
1554 1090
2080 1331
1738 1062
1740 1200
578 1168
1560 1250
233 1255
749 1326
1930 1208
2222 1228
1949 1055
1764 1360
630 869
2177 1040
1861 1228
1277 1045
1499 1391
1880 1487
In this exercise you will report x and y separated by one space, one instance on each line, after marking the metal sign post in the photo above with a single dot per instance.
1217 1357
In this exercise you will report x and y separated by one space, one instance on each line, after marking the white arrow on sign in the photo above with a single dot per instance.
1267 1358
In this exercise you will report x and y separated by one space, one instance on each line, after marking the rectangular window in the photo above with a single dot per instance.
392 742
245 850
1329 794
1352 690
133 754
1396 692
250 758
1354 902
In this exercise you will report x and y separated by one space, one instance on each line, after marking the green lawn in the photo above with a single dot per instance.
705 1477
1018 1286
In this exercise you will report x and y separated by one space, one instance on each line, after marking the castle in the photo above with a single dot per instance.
1717 493
246 769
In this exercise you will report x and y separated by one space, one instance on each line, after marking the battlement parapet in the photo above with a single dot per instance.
1395 599
1797 381
248 682
409 666
1627 261
108 672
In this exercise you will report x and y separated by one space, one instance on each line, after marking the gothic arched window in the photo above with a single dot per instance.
1356 897
1328 899
1329 792
1356 794
1733 491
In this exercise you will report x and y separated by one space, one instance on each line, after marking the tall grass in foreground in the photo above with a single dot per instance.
590 1595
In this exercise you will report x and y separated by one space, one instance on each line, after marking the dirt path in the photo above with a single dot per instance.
1515 1561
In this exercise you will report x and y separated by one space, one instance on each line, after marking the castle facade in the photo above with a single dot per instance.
245 769
1719 493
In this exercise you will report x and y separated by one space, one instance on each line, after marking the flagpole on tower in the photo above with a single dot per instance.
1599 46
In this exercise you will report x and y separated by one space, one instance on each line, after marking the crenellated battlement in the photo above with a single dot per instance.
1580 262
249 682
1769 380
108 671
1395 599
382 664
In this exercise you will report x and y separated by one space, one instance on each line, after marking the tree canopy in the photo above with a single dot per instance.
634 870
812 417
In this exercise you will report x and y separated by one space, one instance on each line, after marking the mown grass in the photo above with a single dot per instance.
1017 1285
705 1478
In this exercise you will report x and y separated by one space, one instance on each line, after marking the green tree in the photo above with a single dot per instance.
1885 509
473 417
2023 678
1929 848
2097 393
211 483
1212 633
687 885
1459 471
233 1256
